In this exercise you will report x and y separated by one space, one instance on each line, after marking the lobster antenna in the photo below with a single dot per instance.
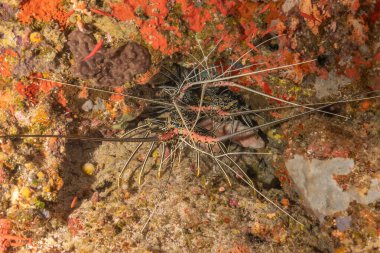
75 137
107 91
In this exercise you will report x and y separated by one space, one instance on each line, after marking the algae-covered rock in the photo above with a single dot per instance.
119 32
10 34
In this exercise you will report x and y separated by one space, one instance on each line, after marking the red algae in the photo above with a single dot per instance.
8 240
32 90
43 10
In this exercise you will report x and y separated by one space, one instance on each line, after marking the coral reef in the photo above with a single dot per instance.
62 196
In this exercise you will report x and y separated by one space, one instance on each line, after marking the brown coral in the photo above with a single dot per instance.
108 67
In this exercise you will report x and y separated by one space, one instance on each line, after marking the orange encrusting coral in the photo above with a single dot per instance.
247 13
195 17
153 37
124 12
153 26
43 10
225 7
156 25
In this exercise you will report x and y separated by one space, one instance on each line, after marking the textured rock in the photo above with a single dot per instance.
331 86
289 4
107 67
87 106
343 223
320 192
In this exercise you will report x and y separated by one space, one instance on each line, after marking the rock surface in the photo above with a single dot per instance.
331 86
